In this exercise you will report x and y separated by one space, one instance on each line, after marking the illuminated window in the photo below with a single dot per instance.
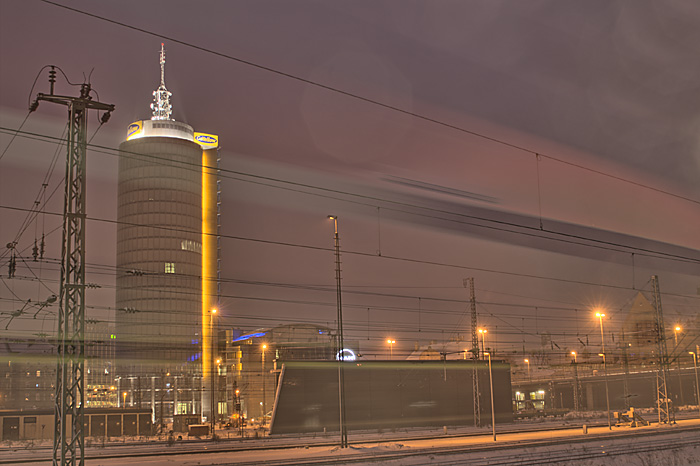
189 245
170 267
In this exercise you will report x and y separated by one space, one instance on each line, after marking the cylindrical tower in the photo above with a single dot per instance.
159 254
167 267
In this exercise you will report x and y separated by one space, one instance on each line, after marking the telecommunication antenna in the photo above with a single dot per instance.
69 434
665 413
161 97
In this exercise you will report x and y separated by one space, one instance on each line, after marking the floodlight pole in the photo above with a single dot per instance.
695 365
341 352
493 408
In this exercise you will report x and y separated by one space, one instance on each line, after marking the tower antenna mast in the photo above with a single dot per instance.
161 97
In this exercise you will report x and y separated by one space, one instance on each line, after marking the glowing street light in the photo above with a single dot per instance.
527 361
677 329
600 316
607 393
493 409
573 353
124 395
391 347
482 332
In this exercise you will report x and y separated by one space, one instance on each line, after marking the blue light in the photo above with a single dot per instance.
251 335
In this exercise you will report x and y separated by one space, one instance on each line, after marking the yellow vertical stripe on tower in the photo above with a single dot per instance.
209 262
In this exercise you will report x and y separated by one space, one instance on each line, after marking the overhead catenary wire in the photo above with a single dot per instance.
369 101
368 255
456 217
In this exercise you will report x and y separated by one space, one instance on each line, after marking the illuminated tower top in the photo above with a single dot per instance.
161 97
161 125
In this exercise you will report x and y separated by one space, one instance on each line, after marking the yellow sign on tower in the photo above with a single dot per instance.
207 141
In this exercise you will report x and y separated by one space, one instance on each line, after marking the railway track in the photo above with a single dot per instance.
443 452
526 454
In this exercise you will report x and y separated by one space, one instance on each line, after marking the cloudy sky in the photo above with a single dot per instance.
549 149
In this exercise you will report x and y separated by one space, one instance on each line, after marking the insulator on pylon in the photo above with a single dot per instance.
52 79
11 267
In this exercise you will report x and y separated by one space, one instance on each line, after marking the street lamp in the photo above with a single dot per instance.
600 316
482 332
677 329
262 373
527 361
238 410
124 395
576 387
695 364
391 347
211 370
607 393
341 352
493 409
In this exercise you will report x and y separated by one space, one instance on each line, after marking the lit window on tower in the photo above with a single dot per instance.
170 267
189 245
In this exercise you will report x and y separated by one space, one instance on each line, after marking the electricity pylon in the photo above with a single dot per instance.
69 434
475 352
662 396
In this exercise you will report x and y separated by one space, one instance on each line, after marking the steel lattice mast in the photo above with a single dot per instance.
69 435
475 353
665 413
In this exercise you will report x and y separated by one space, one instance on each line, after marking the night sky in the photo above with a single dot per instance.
417 123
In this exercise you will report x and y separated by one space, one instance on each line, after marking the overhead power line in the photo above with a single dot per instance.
491 224
368 255
371 101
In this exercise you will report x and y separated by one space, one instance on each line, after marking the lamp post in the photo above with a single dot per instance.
216 389
238 410
341 352
482 332
677 329
124 395
391 347
527 361
695 365
607 393
262 373
211 370
600 316
576 394
493 409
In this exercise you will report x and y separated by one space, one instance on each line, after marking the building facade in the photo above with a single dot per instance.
252 362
